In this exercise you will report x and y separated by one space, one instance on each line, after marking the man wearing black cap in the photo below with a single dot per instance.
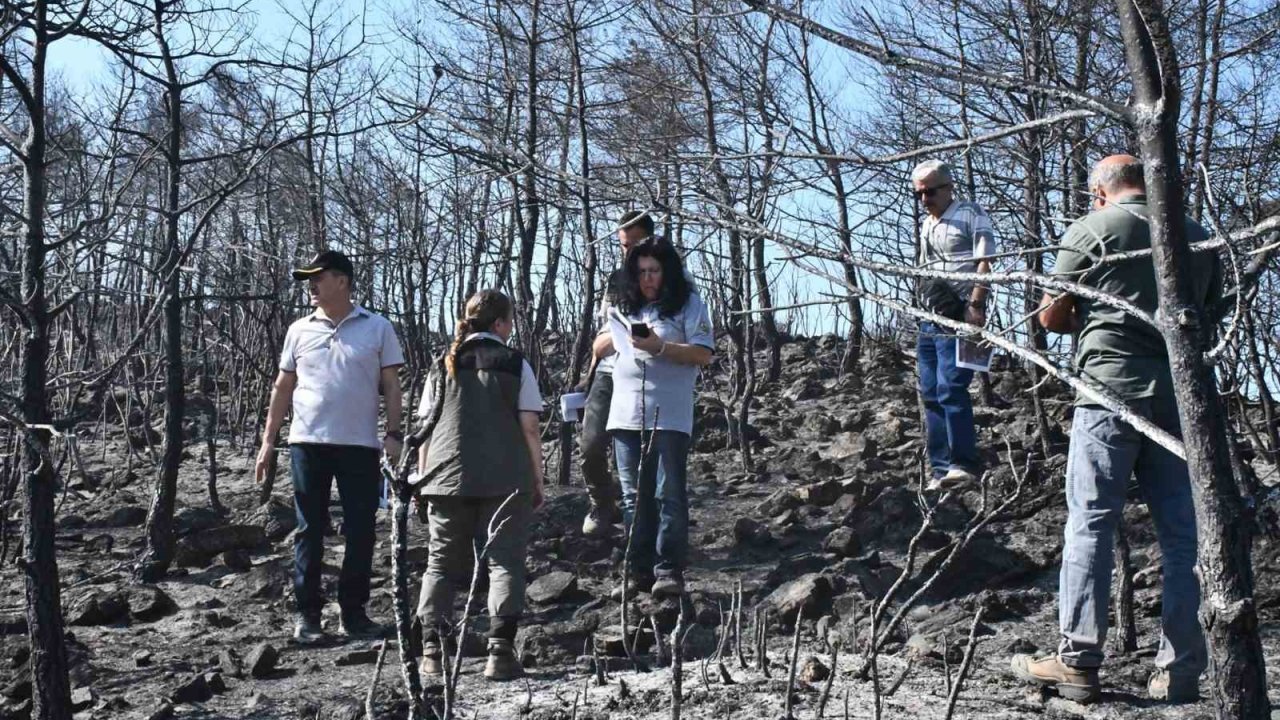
334 363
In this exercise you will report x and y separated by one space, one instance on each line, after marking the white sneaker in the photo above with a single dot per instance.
955 479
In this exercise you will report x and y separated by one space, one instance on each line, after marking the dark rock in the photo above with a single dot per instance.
71 522
148 603
357 657
779 501
1020 645
803 389
276 518
609 641
553 587
19 689
20 655
195 519
262 660
266 581
922 646
194 690
219 620
237 559
164 712
13 624
127 516
143 658
215 682
554 643
82 698
842 541
821 494
583 549
196 549
821 424
855 420
99 607
987 563
811 595
813 671
747 531
100 544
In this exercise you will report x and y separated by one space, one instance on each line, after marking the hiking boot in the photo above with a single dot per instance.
1164 685
600 519
307 629
668 586
357 625
502 663
954 479
432 664
1079 684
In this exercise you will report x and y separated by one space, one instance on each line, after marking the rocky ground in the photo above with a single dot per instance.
820 527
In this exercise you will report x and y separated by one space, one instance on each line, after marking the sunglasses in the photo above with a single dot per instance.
929 192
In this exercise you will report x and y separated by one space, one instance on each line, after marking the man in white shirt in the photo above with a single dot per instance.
953 235
334 363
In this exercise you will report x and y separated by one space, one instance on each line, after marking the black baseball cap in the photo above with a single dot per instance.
327 260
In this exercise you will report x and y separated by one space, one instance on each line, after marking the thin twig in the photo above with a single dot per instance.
968 658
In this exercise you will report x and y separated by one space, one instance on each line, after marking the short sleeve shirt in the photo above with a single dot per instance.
339 367
1116 349
645 387
951 242
612 288
530 396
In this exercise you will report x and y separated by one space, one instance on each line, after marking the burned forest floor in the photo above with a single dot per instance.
821 526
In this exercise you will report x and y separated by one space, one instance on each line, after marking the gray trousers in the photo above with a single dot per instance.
1105 452
456 525
594 442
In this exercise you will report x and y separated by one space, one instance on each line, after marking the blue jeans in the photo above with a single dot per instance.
658 503
359 488
1105 452
948 411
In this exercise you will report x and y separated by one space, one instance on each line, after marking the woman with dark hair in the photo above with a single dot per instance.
481 469
663 336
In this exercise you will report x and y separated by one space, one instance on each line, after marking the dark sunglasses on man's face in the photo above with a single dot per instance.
929 192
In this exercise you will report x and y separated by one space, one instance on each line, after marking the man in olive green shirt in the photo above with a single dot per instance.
1123 353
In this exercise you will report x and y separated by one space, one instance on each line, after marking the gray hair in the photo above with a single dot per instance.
930 168
1115 176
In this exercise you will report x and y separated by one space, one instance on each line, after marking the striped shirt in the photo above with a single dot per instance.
951 242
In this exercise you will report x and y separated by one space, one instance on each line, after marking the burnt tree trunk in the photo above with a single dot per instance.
158 552
1228 612
50 686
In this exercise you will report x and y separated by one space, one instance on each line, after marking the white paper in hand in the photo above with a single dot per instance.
974 355
620 330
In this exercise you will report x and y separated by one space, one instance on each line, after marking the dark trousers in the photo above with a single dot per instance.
359 481
594 442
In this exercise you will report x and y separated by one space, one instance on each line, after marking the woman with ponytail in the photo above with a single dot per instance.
485 447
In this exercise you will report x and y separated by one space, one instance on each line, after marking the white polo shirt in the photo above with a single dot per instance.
339 367
530 399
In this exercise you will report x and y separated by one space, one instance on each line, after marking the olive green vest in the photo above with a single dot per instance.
478 448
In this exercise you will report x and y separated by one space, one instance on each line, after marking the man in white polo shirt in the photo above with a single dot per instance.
955 236
334 363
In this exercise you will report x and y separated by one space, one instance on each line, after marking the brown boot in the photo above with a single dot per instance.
431 667
1078 684
503 663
